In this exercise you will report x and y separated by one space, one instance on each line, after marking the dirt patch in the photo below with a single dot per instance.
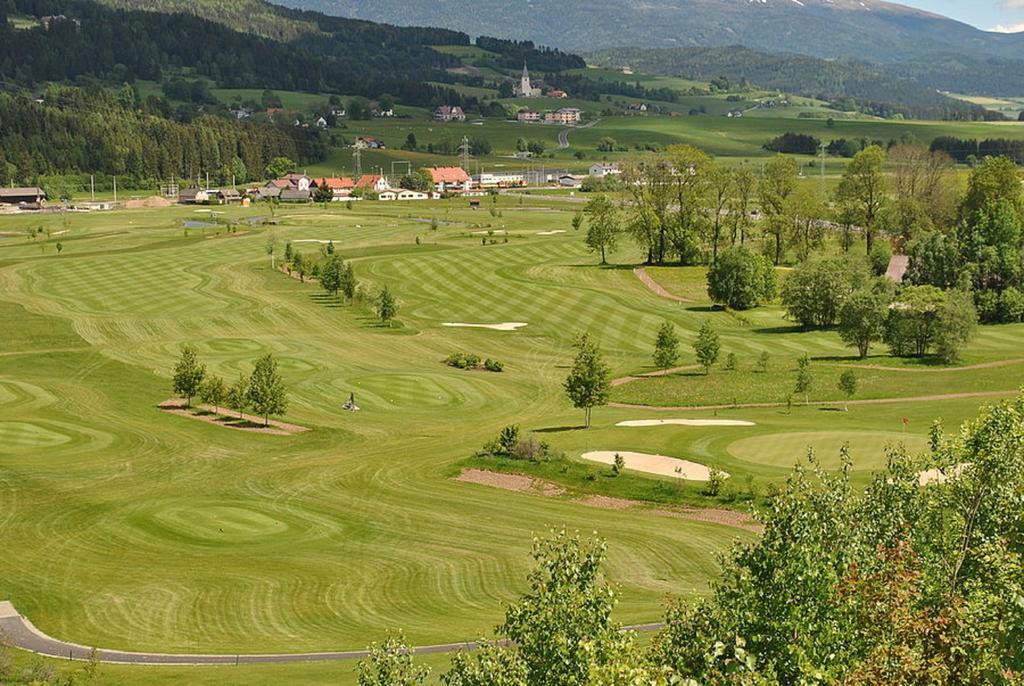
528 484
151 202
245 422
656 287
510 482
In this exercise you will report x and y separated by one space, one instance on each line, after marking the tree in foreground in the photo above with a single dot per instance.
666 347
707 347
741 279
589 381
848 386
603 226
267 393
391 664
387 306
188 375
213 392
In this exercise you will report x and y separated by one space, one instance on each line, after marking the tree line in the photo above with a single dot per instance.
262 391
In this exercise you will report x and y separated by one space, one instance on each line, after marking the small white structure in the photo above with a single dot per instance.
388 196
403 194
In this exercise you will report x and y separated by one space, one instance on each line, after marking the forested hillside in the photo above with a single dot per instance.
103 131
850 84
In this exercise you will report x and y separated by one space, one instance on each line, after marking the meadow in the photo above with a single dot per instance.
126 527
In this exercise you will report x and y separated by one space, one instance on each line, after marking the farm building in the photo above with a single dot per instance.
22 196
450 179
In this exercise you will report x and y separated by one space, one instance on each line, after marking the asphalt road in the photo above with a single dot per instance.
20 633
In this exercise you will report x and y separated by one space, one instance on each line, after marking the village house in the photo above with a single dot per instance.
528 116
507 179
298 182
321 123
603 169
566 116
340 187
555 93
22 196
735 114
369 142
570 181
404 194
450 179
242 113
292 195
373 183
387 196
226 196
193 196
446 114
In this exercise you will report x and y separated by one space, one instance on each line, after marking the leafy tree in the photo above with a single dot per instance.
238 395
411 143
666 347
332 274
301 265
995 180
957 321
862 318
278 167
879 257
603 226
815 291
349 283
848 385
323 194
777 183
805 209
707 347
266 392
863 189
577 221
387 305
912 324
391 664
763 362
804 378
741 279
188 374
213 392
589 381
563 623
490 665
934 261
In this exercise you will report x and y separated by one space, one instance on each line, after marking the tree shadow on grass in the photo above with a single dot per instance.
558 429
830 409
780 329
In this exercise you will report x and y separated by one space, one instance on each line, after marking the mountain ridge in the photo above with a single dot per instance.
863 29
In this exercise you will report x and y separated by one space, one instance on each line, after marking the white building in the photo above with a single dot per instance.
566 116
507 179
602 169
525 89
403 194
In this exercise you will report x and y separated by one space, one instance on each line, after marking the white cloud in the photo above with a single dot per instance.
1012 28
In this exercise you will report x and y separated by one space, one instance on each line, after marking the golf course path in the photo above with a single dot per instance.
622 381
820 403
19 632
656 287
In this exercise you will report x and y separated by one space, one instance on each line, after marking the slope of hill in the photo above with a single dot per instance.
865 29
870 85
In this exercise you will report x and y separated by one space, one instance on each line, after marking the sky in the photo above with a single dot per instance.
1002 15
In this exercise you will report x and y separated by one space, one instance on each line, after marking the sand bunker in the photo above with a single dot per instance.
941 476
686 422
654 464
550 233
312 240
491 232
504 326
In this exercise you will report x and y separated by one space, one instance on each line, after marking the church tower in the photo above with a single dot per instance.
525 89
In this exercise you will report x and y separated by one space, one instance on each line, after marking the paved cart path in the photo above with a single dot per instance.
18 631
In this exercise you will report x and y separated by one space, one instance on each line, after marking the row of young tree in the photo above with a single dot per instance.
263 390
897 583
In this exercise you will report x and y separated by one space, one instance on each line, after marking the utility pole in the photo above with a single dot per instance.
92 187
357 158
115 189
465 150
822 147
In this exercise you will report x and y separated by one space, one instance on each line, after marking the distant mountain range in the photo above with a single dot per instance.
863 29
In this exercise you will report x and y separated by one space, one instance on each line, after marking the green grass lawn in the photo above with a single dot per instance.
129 528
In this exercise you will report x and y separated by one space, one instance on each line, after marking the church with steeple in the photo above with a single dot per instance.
524 89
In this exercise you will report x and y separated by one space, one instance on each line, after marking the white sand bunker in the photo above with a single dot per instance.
491 232
550 233
504 326
941 476
312 240
686 422
655 464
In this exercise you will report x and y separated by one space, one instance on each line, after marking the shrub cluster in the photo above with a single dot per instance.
472 361
511 444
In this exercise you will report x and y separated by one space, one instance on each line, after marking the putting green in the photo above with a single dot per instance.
18 436
217 524
867 448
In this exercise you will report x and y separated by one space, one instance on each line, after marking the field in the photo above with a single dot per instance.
126 527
